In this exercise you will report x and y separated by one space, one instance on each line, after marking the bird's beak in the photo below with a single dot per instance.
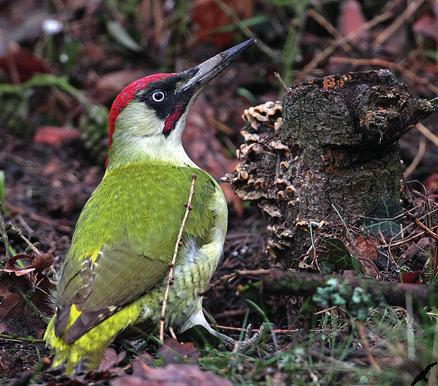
200 75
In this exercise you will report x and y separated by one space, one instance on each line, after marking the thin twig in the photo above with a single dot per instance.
396 24
427 133
427 230
19 339
175 253
25 239
40 219
418 157
281 81
34 308
348 38
323 22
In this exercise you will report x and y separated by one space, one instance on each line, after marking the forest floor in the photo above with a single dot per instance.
47 173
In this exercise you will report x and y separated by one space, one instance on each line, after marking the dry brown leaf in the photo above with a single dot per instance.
171 375
174 352
110 360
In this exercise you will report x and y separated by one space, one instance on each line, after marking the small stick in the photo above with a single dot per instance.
281 81
323 55
18 339
25 239
418 157
427 133
228 11
323 22
175 253
428 231
397 23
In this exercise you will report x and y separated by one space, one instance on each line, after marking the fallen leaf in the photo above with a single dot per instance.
427 25
365 247
172 375
350 19
174 352
141 363
35 262
110 360
208 17
21 64
16 317
55 136
365 250
410 277
9 306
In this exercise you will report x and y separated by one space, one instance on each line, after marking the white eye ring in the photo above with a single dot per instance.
158 96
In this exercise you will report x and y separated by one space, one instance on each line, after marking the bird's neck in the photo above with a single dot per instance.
127 150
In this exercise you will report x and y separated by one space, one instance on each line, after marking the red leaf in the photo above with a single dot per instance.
21 64
410 277
207 17
55 136
174 352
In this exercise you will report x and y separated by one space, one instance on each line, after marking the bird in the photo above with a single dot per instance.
115 271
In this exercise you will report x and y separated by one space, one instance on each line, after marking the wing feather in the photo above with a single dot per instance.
124 241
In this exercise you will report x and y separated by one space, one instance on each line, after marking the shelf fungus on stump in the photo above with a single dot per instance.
325 155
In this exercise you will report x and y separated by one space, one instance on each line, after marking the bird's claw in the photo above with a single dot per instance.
249 343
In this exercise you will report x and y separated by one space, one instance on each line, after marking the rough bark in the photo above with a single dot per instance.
327 154
306 284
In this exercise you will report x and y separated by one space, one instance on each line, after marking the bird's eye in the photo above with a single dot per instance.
158 96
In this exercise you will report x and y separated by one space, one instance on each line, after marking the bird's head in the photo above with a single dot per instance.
147 118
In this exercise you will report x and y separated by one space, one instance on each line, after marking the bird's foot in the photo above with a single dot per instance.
249 343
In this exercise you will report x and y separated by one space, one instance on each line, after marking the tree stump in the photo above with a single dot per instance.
326 155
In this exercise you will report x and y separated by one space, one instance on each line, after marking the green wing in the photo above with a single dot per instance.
124 240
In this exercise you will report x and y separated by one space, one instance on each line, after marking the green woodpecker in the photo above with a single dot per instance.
115 272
